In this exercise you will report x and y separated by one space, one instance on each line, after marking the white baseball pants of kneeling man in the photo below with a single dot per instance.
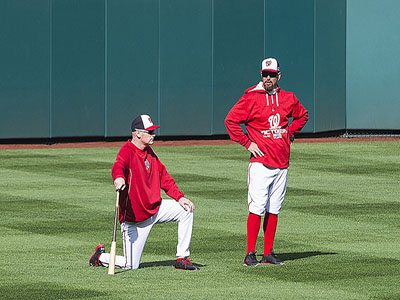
135 235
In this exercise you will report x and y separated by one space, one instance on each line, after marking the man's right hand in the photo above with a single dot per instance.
253 148
119 183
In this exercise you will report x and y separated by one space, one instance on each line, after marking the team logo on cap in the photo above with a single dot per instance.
150 120
268 63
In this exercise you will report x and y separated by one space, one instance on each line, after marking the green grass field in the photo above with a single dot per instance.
338 231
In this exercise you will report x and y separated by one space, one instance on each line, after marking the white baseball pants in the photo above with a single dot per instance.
135 235
266 189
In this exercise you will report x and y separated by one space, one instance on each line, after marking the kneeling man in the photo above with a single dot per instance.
139 175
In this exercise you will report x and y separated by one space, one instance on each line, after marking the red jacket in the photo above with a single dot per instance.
144 175
266 118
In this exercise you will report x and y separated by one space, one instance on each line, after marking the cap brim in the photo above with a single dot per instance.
270 70
152 127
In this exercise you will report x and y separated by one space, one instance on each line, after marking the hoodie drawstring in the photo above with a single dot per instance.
272 99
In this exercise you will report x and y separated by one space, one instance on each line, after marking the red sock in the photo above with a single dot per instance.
270 222
253 227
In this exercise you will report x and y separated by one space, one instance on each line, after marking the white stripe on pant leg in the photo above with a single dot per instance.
120 261
172 211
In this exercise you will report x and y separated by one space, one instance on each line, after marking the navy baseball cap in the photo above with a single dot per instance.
143 122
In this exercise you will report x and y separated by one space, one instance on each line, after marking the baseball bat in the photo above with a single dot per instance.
111 265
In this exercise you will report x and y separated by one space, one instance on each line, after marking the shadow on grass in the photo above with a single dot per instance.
48 291
118 271
300 255
163 263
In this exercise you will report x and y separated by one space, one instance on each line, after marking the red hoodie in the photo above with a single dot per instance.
266 118
144 175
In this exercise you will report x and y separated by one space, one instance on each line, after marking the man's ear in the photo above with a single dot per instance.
279 76
134 133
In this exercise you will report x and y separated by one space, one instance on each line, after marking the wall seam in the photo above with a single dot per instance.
345 66
265 32
212 68
50 68
105 68
314 67
159 68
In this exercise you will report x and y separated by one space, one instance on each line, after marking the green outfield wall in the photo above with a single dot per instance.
73 68
373 64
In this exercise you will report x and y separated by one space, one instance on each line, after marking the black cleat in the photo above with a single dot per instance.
271 259
94 259
250 260
185 264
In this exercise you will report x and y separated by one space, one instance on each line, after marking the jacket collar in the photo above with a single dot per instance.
137 150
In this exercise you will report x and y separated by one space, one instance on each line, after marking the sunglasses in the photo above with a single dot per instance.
151 132
270 74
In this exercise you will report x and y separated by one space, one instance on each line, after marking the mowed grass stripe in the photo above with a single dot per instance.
338 230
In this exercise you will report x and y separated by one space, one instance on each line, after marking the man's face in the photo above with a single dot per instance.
270 80
146 137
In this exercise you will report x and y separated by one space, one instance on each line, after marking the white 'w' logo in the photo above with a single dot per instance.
274 121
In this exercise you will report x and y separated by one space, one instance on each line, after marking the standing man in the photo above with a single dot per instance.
139 174
265 110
